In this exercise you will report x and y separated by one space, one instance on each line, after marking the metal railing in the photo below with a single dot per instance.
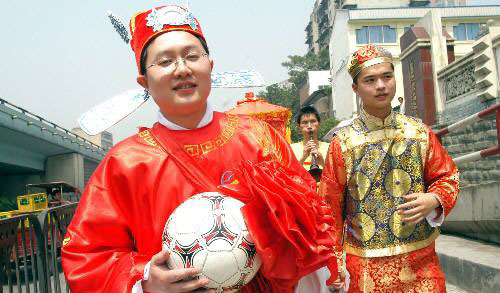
460 125
75 138
30 251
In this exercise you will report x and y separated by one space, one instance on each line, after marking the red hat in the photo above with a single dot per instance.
367 56
146 25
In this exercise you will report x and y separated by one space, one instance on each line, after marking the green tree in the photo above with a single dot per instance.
325 126
288 95
296 133
298 66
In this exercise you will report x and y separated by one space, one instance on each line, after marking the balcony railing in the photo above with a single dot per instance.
493 110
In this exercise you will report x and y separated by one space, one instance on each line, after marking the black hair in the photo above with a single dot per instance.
355 80
307 110
144 54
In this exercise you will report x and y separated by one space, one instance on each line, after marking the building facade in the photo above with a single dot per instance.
316 92
103 139
362 23
319 28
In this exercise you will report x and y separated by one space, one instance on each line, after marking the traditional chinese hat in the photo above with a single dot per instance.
145 26
367 56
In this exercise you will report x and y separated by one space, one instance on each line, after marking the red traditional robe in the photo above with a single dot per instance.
370 165
119 222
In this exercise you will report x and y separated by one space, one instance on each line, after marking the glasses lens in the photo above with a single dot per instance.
191 60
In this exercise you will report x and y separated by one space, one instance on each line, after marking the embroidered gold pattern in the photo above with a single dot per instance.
399 228
383 162
66 241
267 140
227 132
416 272
397 182
363 227
148 138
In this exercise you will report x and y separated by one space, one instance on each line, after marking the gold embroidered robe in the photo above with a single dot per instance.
371 164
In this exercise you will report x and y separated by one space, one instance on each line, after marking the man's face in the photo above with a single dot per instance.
182 92
376 87
309 123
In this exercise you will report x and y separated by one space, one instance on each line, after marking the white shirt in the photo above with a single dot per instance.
205 120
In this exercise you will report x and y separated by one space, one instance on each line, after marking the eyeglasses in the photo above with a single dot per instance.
169 65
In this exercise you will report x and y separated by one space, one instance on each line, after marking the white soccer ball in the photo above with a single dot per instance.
208 232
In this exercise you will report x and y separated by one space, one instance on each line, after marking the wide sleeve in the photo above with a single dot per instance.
98 253
441 174
289 223
332 187
281 151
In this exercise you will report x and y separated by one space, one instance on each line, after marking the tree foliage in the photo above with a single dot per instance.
324 127
298 66
288 95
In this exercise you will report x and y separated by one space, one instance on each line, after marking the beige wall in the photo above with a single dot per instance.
343 92
377 4
96 139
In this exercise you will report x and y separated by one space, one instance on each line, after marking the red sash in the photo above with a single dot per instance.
184 161
287 221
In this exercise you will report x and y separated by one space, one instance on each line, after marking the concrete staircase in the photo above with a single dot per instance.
470 264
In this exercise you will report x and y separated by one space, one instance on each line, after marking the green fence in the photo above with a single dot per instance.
30 251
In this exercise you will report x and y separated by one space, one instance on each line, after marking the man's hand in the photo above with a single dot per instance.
161 279
309 147
417 207
339 283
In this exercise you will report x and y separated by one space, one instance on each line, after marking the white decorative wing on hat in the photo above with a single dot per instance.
237 79
112 111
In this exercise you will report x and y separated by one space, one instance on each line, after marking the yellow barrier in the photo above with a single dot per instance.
32 202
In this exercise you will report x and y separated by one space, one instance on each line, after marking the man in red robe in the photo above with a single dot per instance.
114 243
389 183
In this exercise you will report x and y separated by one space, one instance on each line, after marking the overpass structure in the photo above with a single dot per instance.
34 150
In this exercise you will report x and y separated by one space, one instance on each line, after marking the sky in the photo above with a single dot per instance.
59 58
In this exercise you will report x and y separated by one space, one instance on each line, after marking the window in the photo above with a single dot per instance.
375 34
466 31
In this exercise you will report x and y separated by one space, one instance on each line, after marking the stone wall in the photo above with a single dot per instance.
476 213
476 137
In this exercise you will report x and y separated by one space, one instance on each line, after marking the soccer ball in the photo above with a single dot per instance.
208 232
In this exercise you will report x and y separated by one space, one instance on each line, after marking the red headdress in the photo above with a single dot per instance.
367 56
146 25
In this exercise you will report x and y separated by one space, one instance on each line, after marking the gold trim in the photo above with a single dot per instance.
369 63
132 21
196 150
226 134
148 138
268 141
390 251
66 241
385 134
